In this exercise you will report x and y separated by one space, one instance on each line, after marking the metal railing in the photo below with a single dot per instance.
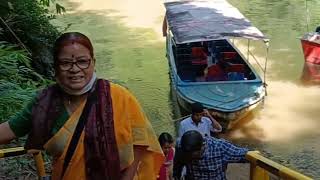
37 156
261 167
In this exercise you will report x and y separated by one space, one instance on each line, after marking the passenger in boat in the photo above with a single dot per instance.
200 120
217 71
205 157
314 37
201 75
93 128
167 143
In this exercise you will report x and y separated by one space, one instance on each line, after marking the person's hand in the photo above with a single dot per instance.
164 33
206 112
168 163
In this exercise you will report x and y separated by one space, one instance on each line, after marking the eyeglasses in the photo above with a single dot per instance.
66 65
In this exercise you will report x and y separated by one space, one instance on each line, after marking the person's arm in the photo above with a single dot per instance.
18 125
164 26
178 163
137 131
232 153
215 125
170 168
130 172
181 130
6 134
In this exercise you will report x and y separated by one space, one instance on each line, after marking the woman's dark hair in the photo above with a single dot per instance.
71 38
165 138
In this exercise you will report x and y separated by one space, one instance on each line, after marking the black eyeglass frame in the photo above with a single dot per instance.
71 64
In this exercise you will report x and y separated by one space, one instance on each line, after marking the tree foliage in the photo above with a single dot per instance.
18 80
26 38
27 22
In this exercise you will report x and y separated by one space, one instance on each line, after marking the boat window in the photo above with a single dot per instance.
210 61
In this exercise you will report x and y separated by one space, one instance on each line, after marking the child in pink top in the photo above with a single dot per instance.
166 142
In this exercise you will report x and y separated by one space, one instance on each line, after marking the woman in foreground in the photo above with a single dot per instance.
93 128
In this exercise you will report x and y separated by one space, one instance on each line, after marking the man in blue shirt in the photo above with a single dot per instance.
200 120
206 158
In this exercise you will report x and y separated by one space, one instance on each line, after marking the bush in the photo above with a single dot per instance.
30 22
26 24
18 80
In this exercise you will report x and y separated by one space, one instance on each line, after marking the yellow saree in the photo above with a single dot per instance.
131 129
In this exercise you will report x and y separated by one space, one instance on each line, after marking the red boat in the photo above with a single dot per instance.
311 47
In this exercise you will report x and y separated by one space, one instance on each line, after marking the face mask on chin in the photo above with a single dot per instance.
82 91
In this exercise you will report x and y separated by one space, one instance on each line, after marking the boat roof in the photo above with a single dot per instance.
204 20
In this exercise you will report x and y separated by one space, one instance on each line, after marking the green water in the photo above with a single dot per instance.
285 129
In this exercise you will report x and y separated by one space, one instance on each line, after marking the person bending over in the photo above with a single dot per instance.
205 157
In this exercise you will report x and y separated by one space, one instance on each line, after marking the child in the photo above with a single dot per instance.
166 143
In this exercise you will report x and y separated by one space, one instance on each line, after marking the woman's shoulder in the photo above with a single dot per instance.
45 91
121 93
119 89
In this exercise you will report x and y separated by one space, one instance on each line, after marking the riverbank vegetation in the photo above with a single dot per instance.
26 38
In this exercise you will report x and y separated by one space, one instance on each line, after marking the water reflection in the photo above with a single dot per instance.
310 74
135 13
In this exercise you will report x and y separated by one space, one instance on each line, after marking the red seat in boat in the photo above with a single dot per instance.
216 73
235 68
199 56
229 55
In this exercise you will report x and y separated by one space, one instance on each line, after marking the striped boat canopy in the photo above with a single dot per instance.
204 20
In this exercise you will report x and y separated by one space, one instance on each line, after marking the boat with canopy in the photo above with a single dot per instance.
205 64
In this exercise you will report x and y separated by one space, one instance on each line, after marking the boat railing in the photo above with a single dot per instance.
260 166
255 59
263 67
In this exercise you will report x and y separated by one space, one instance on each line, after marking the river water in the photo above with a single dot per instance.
130 50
